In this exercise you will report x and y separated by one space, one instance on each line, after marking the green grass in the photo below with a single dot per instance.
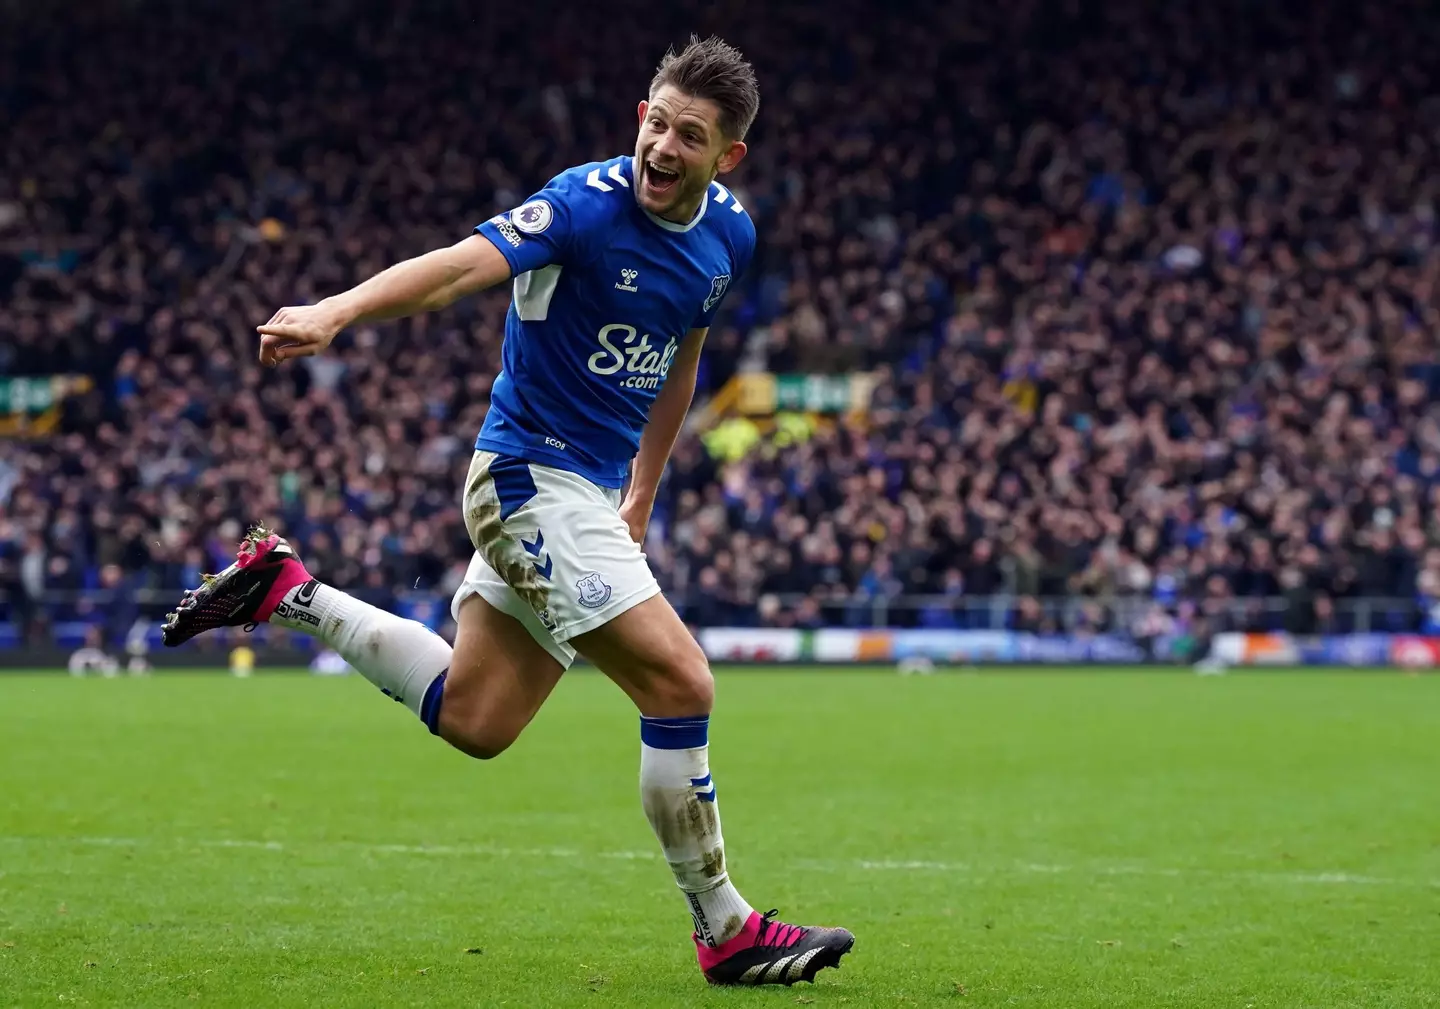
1046 840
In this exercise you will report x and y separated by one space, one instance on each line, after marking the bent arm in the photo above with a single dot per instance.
667 416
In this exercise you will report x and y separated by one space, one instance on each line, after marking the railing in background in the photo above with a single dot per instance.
1121 614
69 619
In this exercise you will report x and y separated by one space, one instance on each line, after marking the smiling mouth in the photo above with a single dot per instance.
661 180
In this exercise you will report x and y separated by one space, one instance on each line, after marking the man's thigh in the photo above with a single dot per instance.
499 677
652 656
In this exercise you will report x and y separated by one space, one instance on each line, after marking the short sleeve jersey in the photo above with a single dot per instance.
604 293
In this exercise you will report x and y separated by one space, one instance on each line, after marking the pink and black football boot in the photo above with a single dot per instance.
771 952
243 595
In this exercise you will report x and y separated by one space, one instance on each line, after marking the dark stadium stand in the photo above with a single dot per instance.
1128 325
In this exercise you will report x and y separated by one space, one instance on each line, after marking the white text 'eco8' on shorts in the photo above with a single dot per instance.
550 550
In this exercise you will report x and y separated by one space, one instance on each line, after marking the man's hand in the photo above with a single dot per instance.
299 332
636 513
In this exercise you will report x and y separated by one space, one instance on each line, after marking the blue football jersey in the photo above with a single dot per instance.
604 293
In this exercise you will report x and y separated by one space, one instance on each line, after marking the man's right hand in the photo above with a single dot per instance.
299 332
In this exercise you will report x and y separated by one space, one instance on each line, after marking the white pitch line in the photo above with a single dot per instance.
1047 869
864 865
1341 878
361 846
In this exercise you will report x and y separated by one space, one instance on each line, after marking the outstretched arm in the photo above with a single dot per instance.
667 415
423 284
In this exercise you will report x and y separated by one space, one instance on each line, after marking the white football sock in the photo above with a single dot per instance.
679 799
401 657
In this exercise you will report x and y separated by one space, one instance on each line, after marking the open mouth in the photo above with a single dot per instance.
661 180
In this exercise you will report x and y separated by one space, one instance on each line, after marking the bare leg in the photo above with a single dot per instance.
499 677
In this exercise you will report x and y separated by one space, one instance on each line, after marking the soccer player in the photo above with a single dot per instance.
618 268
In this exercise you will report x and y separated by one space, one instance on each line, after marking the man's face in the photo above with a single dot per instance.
679 151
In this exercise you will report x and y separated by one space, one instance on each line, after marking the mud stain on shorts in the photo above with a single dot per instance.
501 551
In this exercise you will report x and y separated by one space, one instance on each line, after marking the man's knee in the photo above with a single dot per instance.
476 736
499 677
685 686
479 722
482 746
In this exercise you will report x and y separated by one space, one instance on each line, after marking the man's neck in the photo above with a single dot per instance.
684 213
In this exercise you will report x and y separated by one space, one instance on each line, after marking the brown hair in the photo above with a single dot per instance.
716 70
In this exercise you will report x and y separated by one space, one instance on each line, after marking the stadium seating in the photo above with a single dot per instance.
1149 310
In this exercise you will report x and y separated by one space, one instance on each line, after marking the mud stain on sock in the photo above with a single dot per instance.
712 863
698 820
656 802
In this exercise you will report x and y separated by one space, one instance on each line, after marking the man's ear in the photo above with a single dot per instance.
732 157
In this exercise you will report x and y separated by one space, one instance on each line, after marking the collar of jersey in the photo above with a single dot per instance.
668 225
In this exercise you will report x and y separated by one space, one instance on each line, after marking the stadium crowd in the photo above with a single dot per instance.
1150 292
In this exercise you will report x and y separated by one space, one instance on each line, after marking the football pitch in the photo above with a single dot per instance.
1086 839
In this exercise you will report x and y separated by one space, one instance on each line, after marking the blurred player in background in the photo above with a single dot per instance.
618 268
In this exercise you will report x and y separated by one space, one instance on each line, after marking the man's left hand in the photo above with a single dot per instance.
636 514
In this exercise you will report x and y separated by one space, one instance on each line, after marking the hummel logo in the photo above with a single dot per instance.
627 281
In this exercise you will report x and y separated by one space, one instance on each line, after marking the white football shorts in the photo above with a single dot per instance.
550 550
